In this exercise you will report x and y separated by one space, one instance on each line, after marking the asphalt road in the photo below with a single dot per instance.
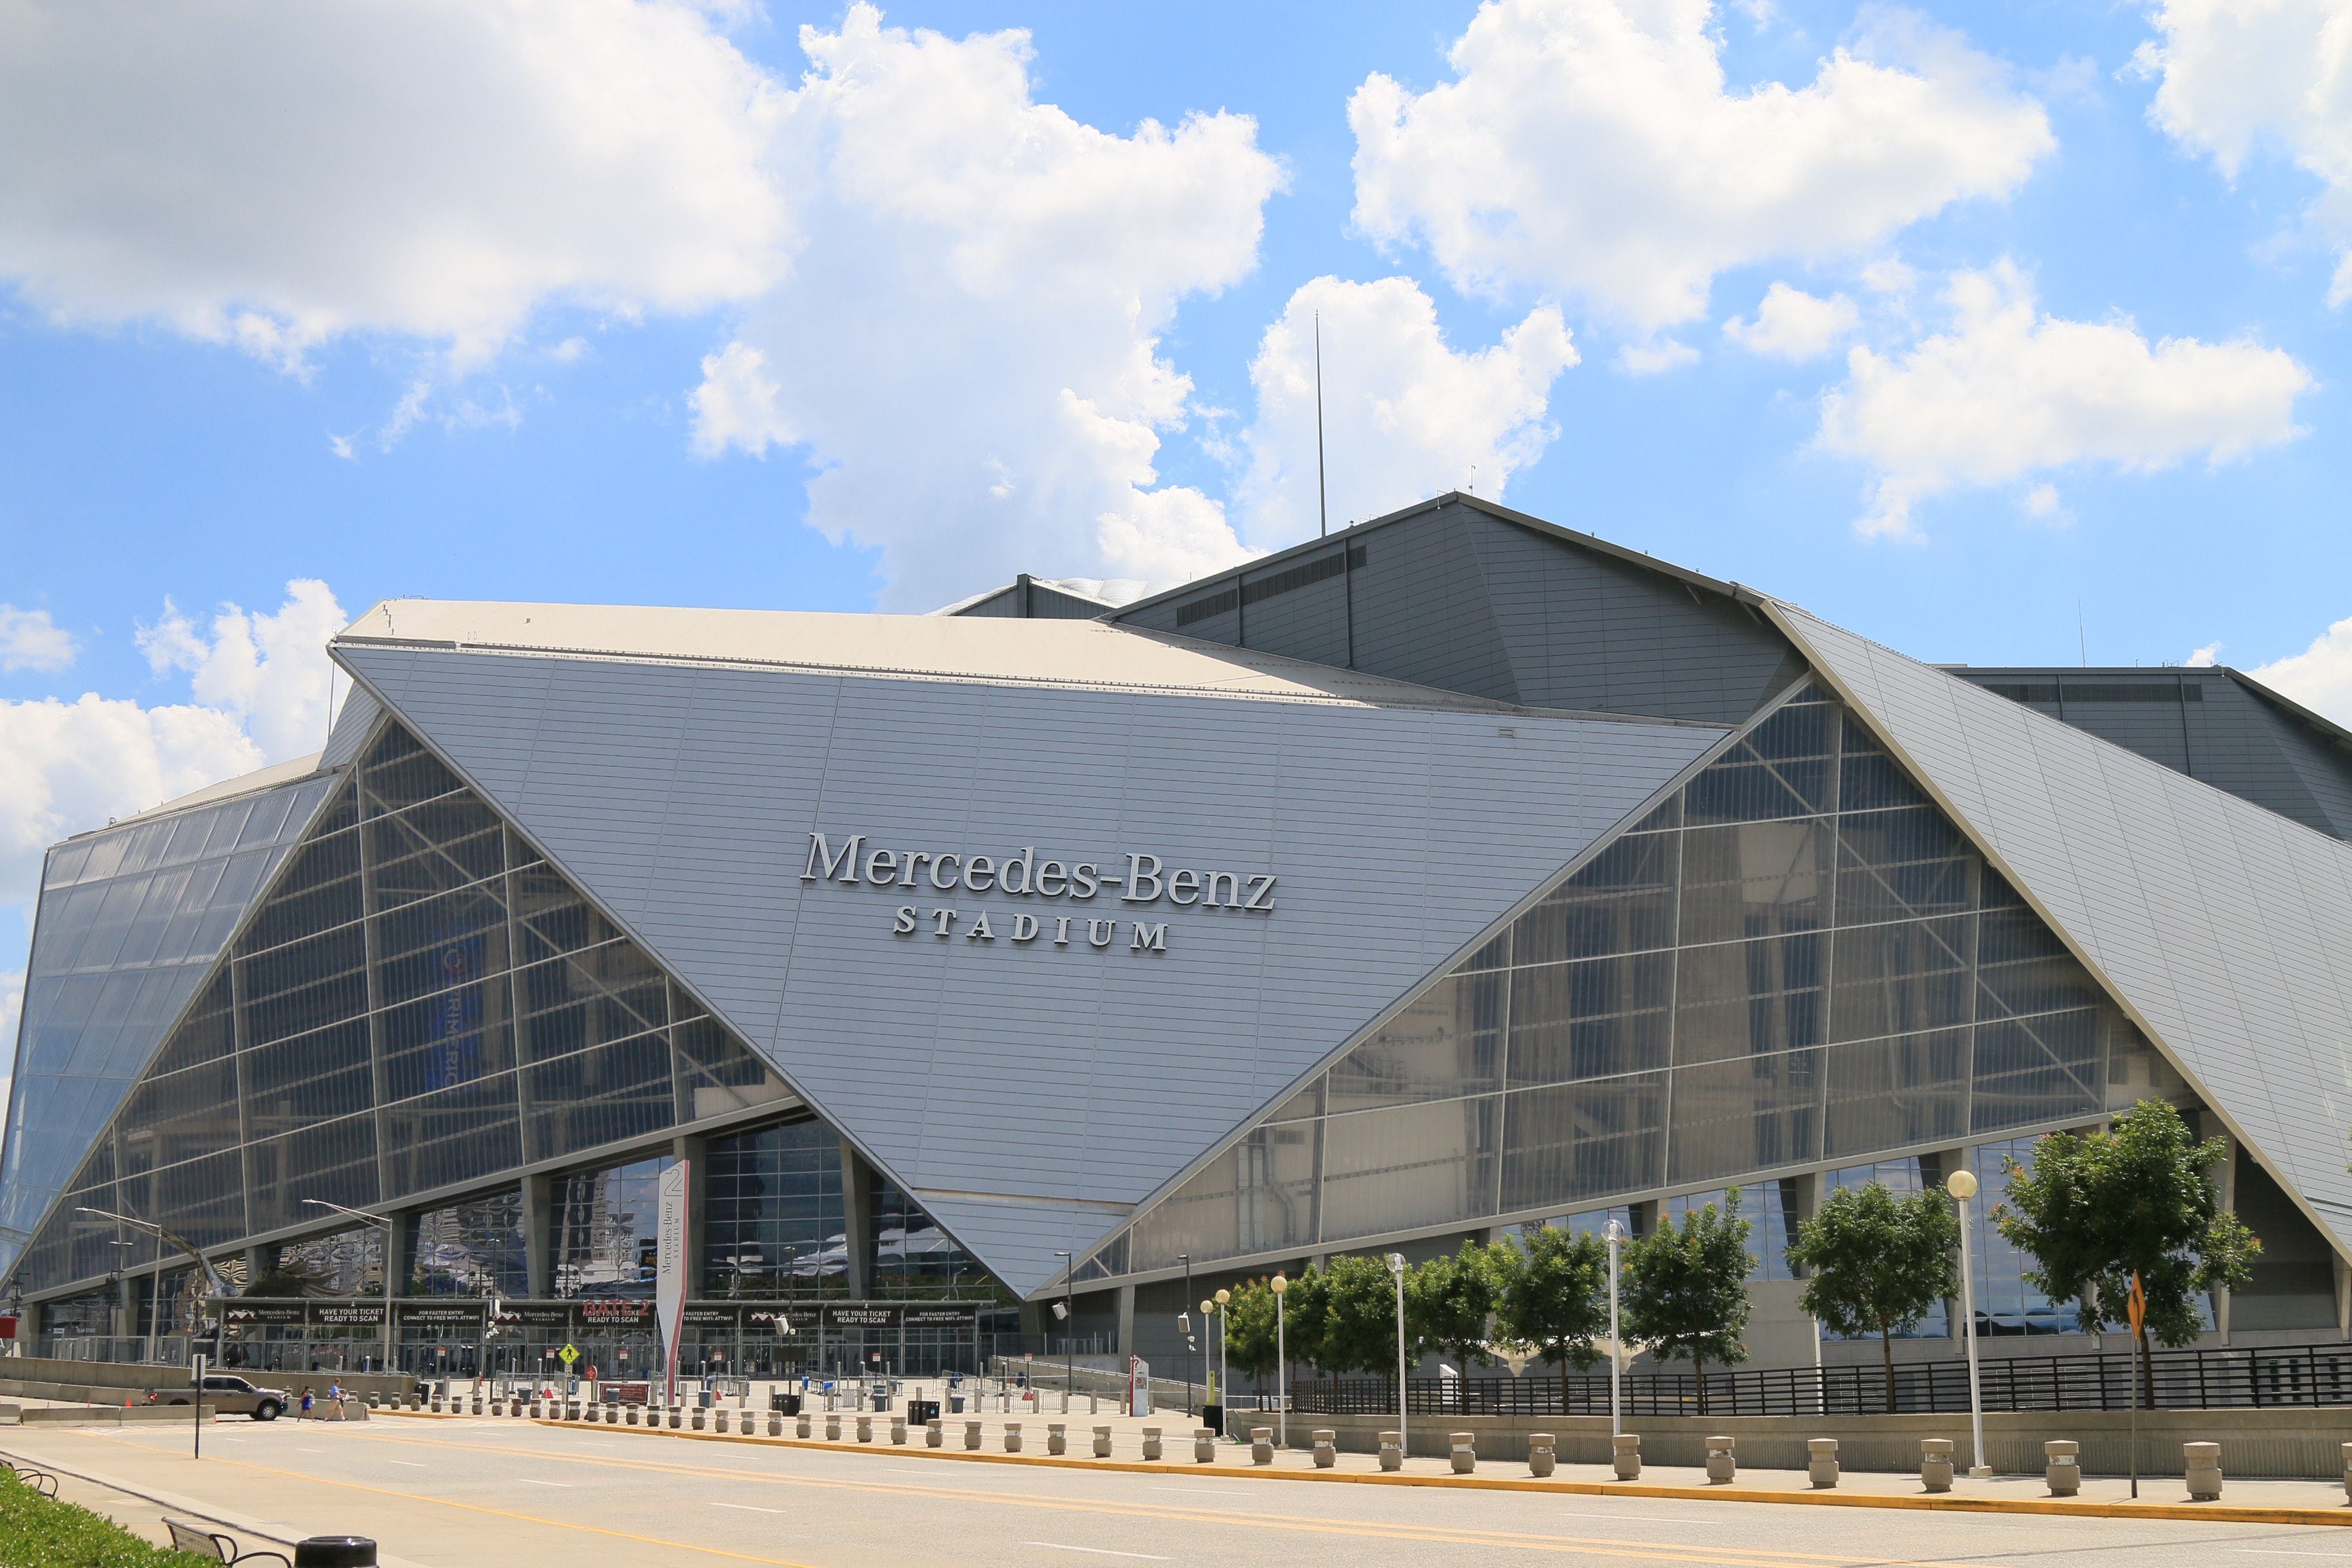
505 1494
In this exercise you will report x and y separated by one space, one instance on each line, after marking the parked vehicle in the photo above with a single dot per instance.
230 1396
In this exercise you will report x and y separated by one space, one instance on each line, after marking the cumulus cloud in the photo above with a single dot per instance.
2320 676
1593 149
968 347
1656 357
268 672
1791 324
1405 414
2008 393
267 175
2206 658
2234 79
30 639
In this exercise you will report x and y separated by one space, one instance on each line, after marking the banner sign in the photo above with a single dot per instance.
711 1317
863 1316
468 1313
606 1311
952 1315
357 1315
670 1262
240 1315
783 1321
535 1315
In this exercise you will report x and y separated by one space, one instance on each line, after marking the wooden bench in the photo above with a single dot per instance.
214 1548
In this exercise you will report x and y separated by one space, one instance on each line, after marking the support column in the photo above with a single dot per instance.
2343 1297
259 1261
539 1236
1127 1322
127 1290
858 1216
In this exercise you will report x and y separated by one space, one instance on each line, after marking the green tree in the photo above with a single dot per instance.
1877 1264
1450 1300
1359 1326
1249 1331
1686 1292
1554 1294
2139 1199
1306 1318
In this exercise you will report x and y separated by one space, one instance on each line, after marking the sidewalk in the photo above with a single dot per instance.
2243 1501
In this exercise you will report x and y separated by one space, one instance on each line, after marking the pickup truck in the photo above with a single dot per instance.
230 1396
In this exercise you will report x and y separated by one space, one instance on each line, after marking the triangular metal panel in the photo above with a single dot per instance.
684 796
1021 1241
2222 927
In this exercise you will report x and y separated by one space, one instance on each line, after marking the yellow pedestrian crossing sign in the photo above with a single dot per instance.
569 1354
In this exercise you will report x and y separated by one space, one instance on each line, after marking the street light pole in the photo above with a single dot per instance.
1396 1268
1186 1259
1962 1184
1616 1235
1224 1364
1281 1288
1069 1333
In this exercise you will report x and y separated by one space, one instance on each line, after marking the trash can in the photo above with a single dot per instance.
1212 1416
955 1403
921 1412
784 1404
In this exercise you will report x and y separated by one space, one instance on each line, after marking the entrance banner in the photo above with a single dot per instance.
711 1317
357 1315
863 1315
535 1315
468 1313
952 1315
608 1310
670 1263
243 1315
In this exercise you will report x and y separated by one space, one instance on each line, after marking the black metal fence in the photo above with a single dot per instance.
2189 1380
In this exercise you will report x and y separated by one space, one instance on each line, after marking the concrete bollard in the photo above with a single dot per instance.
1261 1445
897 1431
1327 1452
633 1414
1393 1450
972 1435
2348 1472
1013 1436
1626 1455
1204 1445
1722 1461
478 1405
865 1429
832 1425
436 1407
2062 1466
1465 1451
498 1407
2202 1463
1102 1442
1152 1446
775 1424
722 1423
1936 1464
1822 1462
676 1418
802 1424
1541 1460
935 1434
1058 1437
700 1420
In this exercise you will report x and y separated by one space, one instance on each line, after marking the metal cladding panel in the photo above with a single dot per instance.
352 727
2225 927
684 797
1020 1239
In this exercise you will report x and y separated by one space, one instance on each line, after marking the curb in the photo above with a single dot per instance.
2219 1513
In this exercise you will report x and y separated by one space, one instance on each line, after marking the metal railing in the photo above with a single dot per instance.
2303 1376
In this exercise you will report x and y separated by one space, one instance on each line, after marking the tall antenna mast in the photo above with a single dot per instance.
1322 500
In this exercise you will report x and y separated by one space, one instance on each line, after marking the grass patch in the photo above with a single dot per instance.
42 1533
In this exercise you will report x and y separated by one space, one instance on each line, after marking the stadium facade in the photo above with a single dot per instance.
1454 873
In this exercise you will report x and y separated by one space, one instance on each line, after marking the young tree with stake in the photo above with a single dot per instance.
2137 1199
1554 1295
1450 1300
1686 1292
1877 1264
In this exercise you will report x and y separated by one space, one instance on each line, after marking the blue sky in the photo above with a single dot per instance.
1994 331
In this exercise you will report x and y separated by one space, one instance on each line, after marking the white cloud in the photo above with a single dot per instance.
1656 357
1592 148
1791 324
2043 504
2206 658
2235 77
2008 392
1405 415
968 347
2320 676
271 174
30 639
267 672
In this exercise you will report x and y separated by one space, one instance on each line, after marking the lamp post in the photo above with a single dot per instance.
1069 1334
1962 1184
1224 1363
1281 1288
156 1304
1615 1233
1396 1269
1185 1328
1209 1391
390 1231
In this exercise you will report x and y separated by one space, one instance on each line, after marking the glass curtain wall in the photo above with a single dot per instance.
608 1230
421 1001
130 922
1795 960
471 1248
